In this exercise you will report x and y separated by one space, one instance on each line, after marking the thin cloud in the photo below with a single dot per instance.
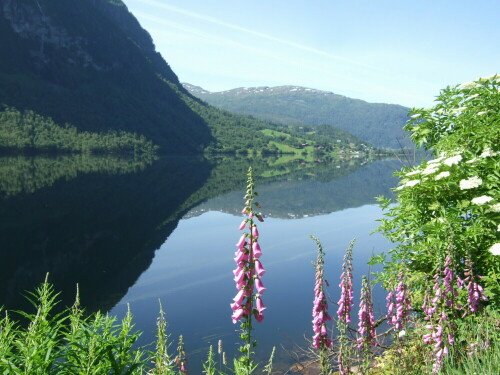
263 52
255 33
345 70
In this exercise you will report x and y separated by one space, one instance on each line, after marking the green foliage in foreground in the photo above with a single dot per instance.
476 350
28 131
68 342
451 205
73 342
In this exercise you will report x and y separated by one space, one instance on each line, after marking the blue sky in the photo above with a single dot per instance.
401 52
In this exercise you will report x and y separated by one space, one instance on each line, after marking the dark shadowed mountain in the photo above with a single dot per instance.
90 64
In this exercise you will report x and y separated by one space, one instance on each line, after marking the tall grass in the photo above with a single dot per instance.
68 342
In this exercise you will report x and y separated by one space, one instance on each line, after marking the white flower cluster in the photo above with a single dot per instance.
468 85
495 208
442 175
453 160
430 169
412 173
482 199
488 152
470 183
472 97
495 249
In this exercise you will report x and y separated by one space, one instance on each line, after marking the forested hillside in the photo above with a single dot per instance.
30 132
73 71
375 123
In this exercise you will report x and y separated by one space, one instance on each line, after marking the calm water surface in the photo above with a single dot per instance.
166 232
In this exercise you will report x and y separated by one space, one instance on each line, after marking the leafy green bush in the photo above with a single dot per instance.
451 204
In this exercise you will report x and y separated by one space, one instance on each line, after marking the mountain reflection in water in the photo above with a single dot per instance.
135 232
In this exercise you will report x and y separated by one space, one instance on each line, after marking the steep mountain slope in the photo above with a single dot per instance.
379 124
89 63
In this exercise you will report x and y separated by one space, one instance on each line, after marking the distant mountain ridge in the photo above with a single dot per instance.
377 123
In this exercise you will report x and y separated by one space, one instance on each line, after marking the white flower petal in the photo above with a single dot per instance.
429 170
495 208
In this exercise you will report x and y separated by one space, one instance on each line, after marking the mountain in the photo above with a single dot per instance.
375 123
82 76
90 64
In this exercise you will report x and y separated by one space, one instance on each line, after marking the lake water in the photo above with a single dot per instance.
136 233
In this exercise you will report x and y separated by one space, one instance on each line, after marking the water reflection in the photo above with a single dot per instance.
191 272
97 229
114 227
314 192
97 221
21 174
191 275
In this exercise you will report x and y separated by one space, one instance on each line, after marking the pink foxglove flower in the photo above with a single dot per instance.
260 305
320 305
474 291
242 225
259 286
366 323
181 360
255 232
259 270
257 252
399 304
249 268
346 290
438 308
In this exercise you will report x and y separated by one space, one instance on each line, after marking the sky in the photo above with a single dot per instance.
399 52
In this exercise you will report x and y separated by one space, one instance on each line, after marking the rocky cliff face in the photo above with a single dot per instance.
30 22
89 63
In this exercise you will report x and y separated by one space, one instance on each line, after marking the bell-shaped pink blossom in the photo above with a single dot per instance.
241 256
237 315
259 270
239 275
259 317
242 225
255 232
257 252
259 286
259 305
240 296
241 241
